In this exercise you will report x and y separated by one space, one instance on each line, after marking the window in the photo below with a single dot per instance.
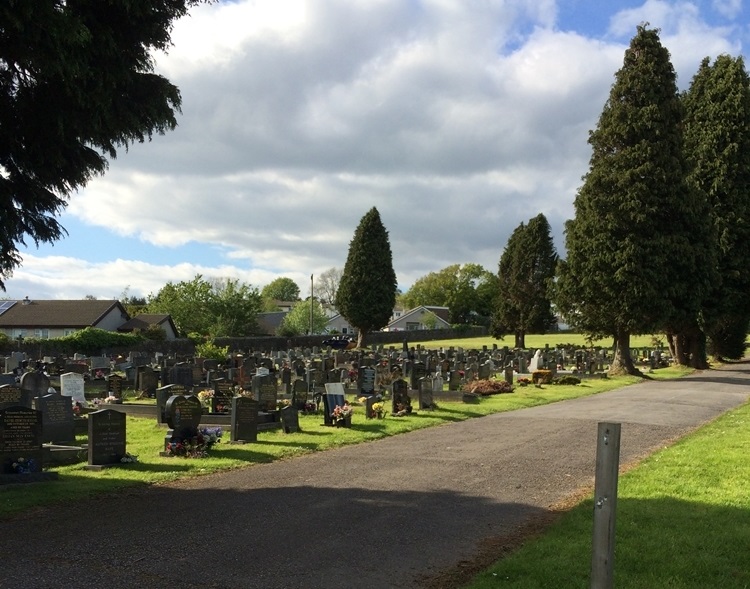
69 331
412 326
18 332
41 333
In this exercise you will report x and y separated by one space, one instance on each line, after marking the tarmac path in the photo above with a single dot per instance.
394 513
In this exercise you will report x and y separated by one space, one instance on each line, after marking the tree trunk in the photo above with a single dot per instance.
520 339
361 338
698 356
622 363
680 349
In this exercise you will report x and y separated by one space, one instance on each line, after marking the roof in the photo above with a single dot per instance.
146 320
268 323
442 313
53 313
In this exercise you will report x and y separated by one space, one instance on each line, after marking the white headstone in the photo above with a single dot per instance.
71 385
535 361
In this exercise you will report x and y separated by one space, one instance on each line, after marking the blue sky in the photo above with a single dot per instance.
457 119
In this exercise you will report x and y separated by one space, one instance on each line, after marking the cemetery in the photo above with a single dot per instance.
73 414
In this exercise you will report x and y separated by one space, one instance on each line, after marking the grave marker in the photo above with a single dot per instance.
244 423
107 438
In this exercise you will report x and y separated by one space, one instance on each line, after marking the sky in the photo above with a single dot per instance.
457 119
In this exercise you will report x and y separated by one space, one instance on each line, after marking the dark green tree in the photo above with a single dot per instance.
717 145
632 248
281 289
525 272
77 82
367 291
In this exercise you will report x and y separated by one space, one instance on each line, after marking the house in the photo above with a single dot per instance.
338 324
421 317
269 322
145 321
50 319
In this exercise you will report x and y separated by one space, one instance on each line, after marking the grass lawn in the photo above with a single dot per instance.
145 438
683 522
539 341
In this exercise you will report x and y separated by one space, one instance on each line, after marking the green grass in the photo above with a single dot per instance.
683 522
538 341
145 438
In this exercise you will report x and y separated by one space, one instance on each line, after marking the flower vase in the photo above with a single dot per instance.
345 422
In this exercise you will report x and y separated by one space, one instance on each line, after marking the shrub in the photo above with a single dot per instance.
209 350
566 380
541 377
487 387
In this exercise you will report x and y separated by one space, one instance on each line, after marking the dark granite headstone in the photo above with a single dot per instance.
57 418
290 420
107 437
299 394
366 381
162 396
264 388
20 437
418 372
425 393
221 402
183 417
11 395
35 383
114 385
182 374
330 401
400 399
369 402
244 424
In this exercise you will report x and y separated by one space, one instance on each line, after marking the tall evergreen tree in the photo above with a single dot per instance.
367 291
77 82
526 269
632 247
717 145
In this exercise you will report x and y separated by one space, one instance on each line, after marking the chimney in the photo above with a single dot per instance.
26 300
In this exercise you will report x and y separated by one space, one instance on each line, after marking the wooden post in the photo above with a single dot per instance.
605 505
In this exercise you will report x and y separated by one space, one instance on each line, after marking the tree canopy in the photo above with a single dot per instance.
327 284
717 144
461 288
297 321
367 291
634 247
223 307
281 289
525 273
76 84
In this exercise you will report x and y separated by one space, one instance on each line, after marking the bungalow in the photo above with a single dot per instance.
421 317
50 319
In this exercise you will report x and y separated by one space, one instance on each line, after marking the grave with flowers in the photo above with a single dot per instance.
185 437
21 449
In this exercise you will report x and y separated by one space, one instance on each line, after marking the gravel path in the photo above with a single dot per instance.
387 514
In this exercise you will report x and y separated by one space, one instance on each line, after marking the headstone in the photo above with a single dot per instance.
162 396
418 372
20 437
290 420
425 394
244 422
183 414
400 400
221 402
11 395
366 381
114 386
333 396
57 419
299 394
182 374
107 437
264 389
35 384
536 361
71 385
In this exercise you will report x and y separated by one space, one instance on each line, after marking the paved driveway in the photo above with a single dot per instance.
385 514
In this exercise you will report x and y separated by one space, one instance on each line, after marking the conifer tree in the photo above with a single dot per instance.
717 145
634 247
367 291
526 269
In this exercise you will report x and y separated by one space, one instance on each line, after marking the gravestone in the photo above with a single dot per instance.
11 395
114 386
221 402
71 385
20 437
454 381
418 372
369 402
366 381
299 394
57 419
182 374
333 396
146 381
290 420
35 384
425 393
162 396
264 389
400 400
183 413
244 422
107 438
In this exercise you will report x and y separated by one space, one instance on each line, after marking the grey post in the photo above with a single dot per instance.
605 505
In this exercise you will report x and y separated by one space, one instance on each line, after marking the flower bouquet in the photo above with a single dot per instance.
377 411
342 415
197 446
24 465
205 397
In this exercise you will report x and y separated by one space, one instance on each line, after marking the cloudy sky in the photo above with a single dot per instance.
457 119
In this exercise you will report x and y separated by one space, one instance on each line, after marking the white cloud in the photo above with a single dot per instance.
457 119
